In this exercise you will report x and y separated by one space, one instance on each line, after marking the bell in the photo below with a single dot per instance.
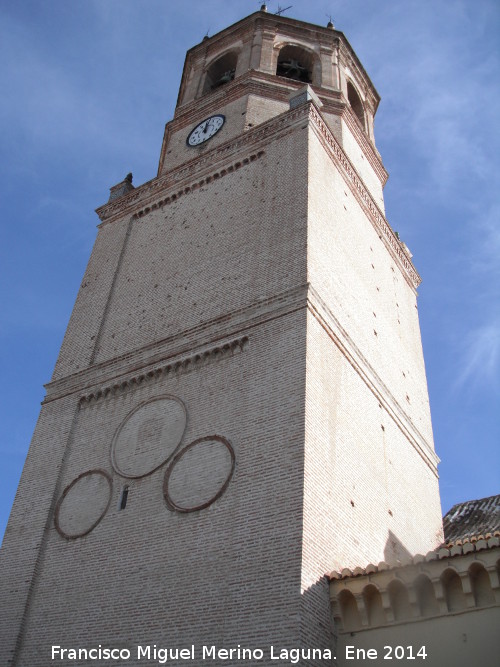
292 68
225 78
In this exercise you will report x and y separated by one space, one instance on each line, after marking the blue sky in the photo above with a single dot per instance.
87 86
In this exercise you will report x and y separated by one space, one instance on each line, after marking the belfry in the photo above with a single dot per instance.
239 405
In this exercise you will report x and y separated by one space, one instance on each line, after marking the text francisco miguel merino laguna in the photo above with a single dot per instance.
164 655
292 655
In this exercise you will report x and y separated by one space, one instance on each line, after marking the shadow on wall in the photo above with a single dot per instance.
395 551
316 625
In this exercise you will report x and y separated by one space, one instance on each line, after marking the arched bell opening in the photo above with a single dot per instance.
356 104
297 63
220 72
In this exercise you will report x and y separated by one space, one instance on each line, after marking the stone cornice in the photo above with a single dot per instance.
252 82
173 186
365 199
208 178
181 351
176 365
181 180
336 104
370 377
178 181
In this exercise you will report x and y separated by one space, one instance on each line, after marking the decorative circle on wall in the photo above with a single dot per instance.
199 474
148 436
83 504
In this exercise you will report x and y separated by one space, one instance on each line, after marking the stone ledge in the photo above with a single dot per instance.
176 366
208 335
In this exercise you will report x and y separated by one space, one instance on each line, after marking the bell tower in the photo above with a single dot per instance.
252 69
240 404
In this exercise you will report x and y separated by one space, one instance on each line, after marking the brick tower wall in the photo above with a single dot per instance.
370 481
211 289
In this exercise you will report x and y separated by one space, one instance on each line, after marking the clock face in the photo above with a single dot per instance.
205 130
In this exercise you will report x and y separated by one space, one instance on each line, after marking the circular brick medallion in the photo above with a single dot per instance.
199 474
148 437
83 504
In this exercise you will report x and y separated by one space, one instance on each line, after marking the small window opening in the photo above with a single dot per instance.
123 498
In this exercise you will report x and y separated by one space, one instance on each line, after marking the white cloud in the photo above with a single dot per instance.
480 358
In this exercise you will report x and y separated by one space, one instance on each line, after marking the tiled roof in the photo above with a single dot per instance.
449 550
471 518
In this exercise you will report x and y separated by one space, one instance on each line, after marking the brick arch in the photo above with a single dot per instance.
221 70
298 63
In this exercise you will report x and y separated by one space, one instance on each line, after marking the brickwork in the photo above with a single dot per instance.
82 334
23 547
259 95
225 246
178 152
160 576
350 268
